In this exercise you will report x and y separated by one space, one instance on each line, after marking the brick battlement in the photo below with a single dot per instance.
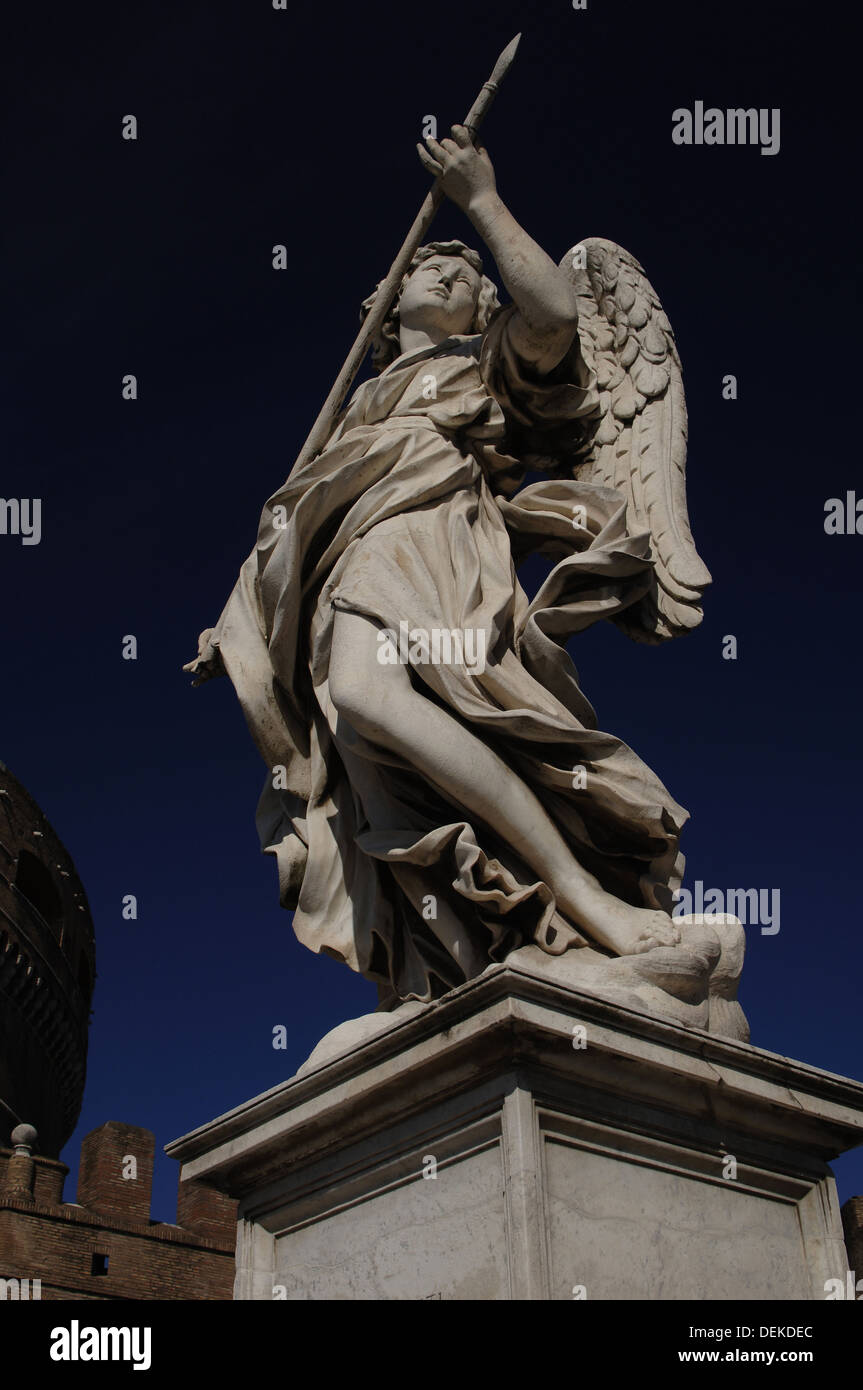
74 1215
105 1246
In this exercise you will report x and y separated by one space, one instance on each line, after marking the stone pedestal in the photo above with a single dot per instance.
525 1140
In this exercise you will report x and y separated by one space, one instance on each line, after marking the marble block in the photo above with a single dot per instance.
523 1139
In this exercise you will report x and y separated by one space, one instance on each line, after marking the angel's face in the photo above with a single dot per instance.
440 296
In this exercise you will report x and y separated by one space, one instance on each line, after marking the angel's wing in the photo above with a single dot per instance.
637 442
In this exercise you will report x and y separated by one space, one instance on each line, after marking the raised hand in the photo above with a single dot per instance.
465 172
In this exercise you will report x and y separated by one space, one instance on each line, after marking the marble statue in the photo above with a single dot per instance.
439 796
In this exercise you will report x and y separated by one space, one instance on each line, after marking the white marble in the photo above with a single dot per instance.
650 1161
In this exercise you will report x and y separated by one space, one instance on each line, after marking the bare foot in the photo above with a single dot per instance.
628 930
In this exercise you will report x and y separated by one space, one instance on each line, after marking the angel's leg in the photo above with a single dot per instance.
381 704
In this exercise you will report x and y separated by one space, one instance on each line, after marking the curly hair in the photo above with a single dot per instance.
386 347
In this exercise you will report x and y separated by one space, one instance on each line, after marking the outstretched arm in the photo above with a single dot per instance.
545 324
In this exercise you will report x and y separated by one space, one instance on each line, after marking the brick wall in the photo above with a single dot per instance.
67 1249
116 1170
105 1246
206 1212
852 1222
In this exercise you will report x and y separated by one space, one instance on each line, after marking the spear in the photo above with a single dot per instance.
320 431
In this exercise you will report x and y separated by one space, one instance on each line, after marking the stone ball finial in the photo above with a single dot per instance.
24 1138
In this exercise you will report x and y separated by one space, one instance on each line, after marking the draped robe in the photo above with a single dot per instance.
410 515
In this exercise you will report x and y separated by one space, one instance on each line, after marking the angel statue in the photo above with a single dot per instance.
438 793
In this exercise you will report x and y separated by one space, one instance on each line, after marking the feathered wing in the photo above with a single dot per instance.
637 441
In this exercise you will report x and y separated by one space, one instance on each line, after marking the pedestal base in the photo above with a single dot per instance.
524 1140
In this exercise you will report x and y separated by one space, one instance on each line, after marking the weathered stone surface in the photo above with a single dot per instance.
576 1144
693 983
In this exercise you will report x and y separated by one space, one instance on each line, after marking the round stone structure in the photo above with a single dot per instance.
47 971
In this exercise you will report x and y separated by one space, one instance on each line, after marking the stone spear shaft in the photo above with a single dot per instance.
320 431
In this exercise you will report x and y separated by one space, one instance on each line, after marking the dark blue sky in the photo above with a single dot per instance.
258 127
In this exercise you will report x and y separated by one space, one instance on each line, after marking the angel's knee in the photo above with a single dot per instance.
350 696
369 694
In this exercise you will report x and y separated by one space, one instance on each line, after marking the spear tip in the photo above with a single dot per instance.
505 61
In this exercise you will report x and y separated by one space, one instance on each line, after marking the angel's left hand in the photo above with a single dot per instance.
465 172
208 663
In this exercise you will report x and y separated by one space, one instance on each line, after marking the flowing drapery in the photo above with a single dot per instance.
410 516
